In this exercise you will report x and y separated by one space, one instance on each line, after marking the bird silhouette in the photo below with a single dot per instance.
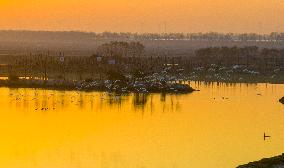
265 136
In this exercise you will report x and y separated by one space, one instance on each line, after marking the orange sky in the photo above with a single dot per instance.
261 16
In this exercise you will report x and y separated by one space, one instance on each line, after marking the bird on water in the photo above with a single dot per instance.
265 136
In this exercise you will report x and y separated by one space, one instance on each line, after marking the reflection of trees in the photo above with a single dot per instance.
167 102
116 99
140 100
57 101
163 97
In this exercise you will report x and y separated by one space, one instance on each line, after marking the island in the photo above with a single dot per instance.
149 84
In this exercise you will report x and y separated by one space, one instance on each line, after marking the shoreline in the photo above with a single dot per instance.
62 85
279 80
111 86
281 100
274 162
242 82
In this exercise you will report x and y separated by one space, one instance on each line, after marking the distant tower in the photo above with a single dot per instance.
165 26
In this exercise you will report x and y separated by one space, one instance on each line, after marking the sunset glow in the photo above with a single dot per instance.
261 16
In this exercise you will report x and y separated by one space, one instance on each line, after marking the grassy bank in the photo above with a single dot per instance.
274 162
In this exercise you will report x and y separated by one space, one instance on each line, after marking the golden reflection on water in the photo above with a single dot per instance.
219 127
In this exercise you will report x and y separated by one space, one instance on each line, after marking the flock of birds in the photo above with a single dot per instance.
41 100
226 74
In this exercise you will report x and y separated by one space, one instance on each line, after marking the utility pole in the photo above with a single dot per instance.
165 27
62 60
45 66
25 66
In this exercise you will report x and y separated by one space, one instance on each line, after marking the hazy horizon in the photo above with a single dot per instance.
106 31
160 16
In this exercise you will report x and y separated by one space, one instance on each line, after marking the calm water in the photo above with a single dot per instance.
221 126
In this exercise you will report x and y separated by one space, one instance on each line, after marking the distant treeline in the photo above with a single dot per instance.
73 35
250 56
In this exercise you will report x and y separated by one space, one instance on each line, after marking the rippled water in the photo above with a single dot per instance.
221 126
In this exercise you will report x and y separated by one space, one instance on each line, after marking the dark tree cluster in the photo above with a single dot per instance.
121 49
250 56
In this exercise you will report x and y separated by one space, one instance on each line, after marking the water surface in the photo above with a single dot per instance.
221 126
